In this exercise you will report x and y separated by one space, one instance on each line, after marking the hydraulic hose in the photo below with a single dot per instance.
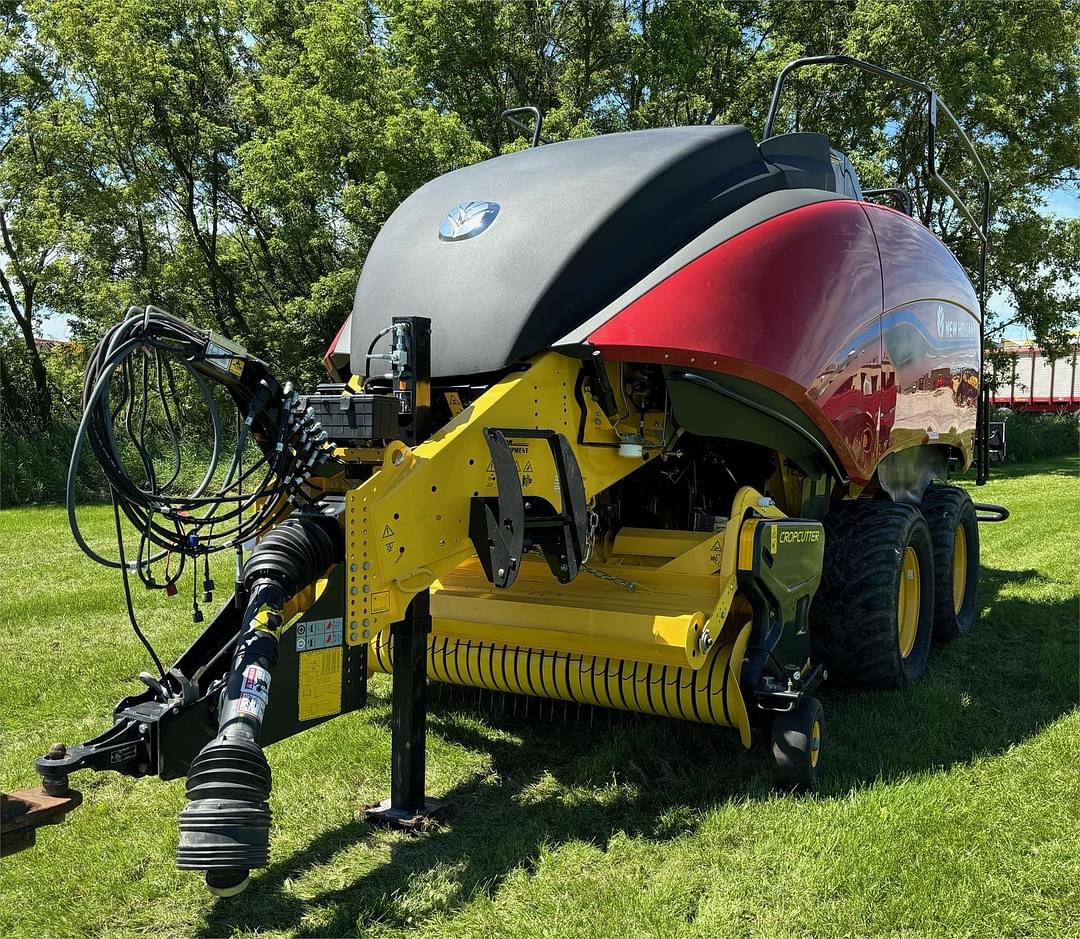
225 827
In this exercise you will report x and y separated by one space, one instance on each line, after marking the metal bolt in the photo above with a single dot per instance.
56 752
352 625
144 729
367 565
367 633
500 572
352 636
367 589
397 458
352 567
704 640
353 591
55 785
367 622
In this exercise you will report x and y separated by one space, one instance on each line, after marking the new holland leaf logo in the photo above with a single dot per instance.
468 220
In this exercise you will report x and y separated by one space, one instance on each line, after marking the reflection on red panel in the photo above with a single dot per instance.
793 303
931 364
915 265
880 352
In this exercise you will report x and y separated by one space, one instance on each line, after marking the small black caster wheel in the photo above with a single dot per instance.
796 746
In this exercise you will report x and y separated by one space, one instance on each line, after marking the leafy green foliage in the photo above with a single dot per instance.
1036 436
233 160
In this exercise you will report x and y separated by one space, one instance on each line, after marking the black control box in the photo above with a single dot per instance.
352 420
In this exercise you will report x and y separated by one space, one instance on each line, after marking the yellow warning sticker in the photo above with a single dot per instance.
453 399
319 691
236 366
380 601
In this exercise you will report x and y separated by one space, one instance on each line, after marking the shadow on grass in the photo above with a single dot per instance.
656 778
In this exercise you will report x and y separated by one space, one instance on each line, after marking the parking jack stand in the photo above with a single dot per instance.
408 808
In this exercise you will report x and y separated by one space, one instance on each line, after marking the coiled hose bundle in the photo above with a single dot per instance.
133 390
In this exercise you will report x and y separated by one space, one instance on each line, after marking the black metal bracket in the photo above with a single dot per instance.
990 512
408 807
127 747
503 527
159 735
777 698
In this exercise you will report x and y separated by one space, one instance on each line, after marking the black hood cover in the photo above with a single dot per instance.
534 242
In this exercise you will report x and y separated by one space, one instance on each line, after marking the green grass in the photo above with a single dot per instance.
951 809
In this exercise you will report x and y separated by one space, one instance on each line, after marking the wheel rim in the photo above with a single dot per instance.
815 743
959 568
908 602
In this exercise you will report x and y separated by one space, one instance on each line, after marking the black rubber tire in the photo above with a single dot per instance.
947 508
796 749
853 617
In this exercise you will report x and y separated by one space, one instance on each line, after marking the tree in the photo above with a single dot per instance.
36 137
233 160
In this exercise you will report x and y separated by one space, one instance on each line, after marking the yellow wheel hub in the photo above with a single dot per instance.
815 742
908 602
959 568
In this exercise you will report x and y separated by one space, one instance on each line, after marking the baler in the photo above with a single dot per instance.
658 421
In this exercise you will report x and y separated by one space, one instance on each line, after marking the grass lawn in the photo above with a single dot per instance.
950 809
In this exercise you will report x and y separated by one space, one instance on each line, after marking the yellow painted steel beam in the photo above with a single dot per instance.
408 524
650 542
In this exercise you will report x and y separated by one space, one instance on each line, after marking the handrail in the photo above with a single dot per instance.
935 107
900 193
534 131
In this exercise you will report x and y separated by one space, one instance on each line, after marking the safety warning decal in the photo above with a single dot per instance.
318 633
319 684
254 692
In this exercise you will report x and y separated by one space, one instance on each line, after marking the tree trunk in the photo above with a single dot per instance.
24 317
42 396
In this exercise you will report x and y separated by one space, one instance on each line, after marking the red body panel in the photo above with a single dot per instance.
930 338
796 304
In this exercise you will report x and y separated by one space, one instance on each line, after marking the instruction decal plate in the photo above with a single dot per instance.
254 692
319 684
380 601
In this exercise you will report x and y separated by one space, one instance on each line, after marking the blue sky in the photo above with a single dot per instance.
1063 201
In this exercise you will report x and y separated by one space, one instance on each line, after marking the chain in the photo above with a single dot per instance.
610 578
590 536
590 544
